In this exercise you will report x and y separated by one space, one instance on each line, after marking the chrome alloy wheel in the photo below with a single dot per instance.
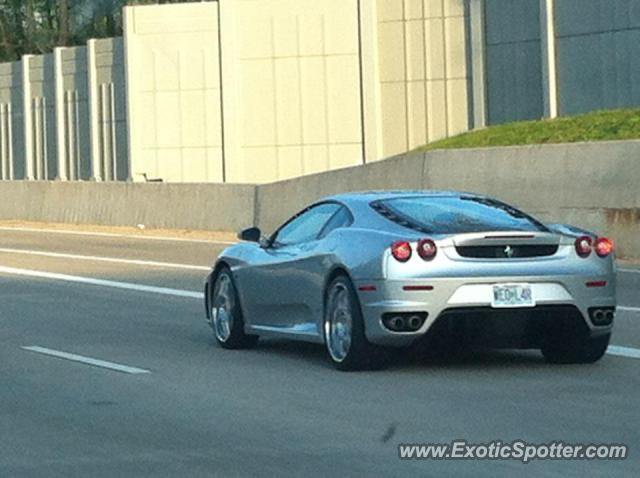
338 325
222 308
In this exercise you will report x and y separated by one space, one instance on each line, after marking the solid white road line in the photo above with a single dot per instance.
623 351
630 309
100 282
170 265
86 360
112 234
612 350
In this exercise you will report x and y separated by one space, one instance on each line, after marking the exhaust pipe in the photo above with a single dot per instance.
415 322
397 323
602 317
404 321
598 316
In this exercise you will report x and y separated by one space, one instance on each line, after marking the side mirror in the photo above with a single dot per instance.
252 234
264 242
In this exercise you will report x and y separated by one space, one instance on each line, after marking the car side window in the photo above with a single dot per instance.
307 226
342 218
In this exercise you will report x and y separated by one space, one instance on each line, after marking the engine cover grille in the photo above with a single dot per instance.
507 252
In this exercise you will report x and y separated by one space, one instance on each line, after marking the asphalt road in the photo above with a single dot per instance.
277 410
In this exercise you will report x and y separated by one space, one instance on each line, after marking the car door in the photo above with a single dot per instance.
280 286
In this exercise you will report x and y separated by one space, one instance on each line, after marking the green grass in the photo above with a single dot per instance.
597 126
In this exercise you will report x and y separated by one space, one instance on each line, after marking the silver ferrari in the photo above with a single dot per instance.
365 272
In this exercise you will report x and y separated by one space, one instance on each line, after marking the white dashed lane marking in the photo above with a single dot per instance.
628 309
623 351
102 283
85 360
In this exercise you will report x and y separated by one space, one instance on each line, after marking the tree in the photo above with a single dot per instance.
64 22
27 26
37 26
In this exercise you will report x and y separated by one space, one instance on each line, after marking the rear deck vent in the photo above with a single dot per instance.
507 252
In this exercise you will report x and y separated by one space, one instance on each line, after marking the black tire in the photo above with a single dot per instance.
233 336
361 354
577 350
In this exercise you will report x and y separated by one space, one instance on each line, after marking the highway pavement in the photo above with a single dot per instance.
165 400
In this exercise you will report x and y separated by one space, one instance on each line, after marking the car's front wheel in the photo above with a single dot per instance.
226 315
576 349
344 337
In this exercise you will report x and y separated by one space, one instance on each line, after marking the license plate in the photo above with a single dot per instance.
512 295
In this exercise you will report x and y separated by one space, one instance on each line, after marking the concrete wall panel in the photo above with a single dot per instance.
11 122
73 118
108 110
423 75
173 81
291 82
513 60
40 147
598 61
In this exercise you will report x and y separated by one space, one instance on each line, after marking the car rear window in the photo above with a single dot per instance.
455 214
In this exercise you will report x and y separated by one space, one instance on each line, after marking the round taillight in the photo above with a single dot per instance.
401 250
603 246
427 249
583 246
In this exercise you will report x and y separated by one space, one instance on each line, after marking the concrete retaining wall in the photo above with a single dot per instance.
592 185
158 205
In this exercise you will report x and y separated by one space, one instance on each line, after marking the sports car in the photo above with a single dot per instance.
364 272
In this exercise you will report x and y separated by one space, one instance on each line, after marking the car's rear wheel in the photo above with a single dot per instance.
344 337
576 349
226 316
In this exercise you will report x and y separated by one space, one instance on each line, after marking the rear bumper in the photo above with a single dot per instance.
474 296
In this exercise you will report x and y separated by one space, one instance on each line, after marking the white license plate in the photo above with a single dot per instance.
512 295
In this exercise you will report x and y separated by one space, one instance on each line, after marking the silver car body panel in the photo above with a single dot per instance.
282 289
